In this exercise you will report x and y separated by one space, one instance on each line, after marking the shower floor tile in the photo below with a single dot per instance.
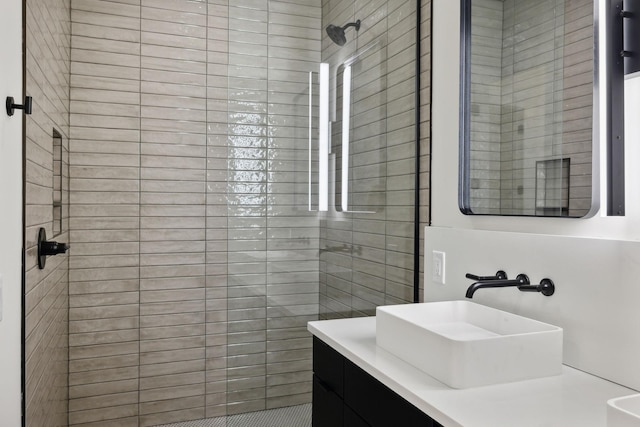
292 416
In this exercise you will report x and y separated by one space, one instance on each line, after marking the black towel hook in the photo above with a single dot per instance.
12 106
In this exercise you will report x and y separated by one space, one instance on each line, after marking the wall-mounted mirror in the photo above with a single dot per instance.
527 107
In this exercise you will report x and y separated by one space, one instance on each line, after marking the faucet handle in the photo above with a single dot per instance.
500 275
546 287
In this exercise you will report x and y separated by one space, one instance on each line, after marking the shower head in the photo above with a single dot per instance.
336 33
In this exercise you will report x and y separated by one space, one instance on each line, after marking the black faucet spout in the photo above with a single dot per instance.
520 280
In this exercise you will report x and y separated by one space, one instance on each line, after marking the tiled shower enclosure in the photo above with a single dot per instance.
195 262
195 272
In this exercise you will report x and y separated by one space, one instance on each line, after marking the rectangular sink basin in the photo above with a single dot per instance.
464 344
624 411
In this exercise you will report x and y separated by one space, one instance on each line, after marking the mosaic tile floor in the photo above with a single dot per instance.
293 416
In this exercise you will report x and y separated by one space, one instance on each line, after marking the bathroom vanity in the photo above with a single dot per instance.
358 384
346 395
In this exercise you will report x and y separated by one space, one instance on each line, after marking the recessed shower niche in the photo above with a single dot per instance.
60 185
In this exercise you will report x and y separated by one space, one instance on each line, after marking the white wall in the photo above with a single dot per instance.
594 261
11 213
596 300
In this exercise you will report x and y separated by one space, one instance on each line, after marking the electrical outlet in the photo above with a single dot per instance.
438 267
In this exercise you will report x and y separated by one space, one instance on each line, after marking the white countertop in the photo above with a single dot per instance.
573 399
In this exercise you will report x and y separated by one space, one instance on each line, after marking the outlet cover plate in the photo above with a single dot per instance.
438 267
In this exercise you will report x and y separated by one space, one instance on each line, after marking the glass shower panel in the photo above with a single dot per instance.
367 236
292 234
273 227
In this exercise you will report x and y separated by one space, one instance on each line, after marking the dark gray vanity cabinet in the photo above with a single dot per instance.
346 396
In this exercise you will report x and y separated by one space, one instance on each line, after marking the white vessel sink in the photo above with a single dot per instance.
624 411
464 344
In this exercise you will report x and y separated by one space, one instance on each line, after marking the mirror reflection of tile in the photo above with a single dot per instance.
531 101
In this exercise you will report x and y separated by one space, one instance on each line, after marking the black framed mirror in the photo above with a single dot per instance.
529 108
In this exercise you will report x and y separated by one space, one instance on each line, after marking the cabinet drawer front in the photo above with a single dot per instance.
351 419
377 404
327 406
328 365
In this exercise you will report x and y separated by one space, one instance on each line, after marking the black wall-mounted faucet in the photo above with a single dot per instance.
546 286
521 279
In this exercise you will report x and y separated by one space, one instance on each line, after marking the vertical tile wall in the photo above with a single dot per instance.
367 257
425 130
247 204
401 157
173 164
216 242
196 269
48 32
104 315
